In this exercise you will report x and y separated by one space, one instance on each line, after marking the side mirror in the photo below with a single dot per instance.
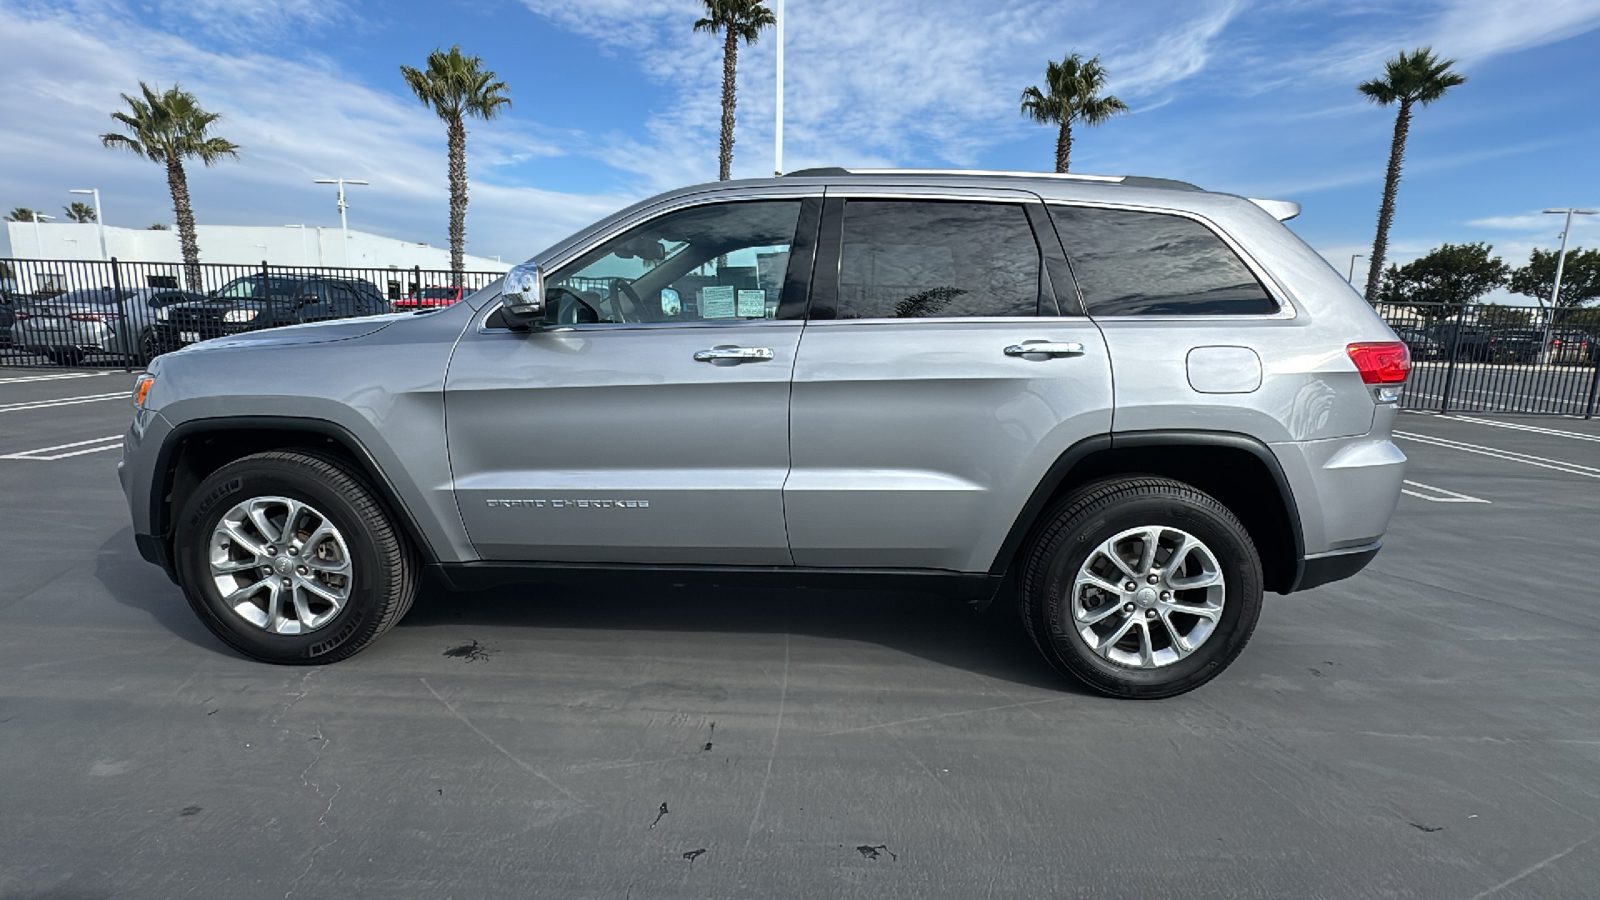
522 295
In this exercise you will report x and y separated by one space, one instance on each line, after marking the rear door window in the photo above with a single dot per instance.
1131 263
907 259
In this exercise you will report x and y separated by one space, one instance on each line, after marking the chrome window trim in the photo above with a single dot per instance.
1275 289
1045 321
705 198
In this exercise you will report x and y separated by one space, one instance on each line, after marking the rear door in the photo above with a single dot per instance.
938 378
649 422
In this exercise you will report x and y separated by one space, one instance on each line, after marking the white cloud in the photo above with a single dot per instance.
294 122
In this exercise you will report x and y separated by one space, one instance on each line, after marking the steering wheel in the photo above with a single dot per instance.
633 297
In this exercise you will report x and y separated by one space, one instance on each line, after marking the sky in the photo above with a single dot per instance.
616 100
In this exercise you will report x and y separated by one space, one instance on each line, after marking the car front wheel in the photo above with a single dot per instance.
1141 587
289 558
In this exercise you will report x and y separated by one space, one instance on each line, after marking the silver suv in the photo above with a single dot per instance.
1128 403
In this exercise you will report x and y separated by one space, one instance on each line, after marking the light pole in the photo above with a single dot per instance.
38 242
1561 261
99 220
344 225
1351 277
777 145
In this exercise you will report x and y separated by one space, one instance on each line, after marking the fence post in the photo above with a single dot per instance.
122 321
1450 364
1594 382
266 284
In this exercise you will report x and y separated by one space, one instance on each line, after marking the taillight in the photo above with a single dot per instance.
1381 363
22 316
92 317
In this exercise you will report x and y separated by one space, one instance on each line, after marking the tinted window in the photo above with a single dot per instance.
722 262
1136 263
904 259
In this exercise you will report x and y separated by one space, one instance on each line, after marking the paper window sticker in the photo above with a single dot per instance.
752 304
717 302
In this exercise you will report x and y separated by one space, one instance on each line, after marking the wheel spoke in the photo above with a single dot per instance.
1206 578
1147 558
1100 614
1212 611
1105 645
330 566
1147 654
302 610
1175 561
238 537
258 517
1180 644
290 517
323 591
1090 579
1109 551
227 566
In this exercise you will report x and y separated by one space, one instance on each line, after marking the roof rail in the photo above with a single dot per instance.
1128 180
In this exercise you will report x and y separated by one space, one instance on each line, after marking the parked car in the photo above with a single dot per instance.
1573 347
252 303
829 378
72 326
1422 344
430 297
9 301
1489 343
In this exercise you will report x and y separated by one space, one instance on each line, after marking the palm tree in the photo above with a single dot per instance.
167 128
20 214
79 212
456 87
1072 94
1415 77
736 19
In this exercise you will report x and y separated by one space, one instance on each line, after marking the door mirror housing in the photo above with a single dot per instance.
522 295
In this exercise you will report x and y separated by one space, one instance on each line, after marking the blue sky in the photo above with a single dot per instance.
617 99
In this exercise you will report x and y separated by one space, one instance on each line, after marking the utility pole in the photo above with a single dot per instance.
344 224
38 242
99 220
1561 262
777 146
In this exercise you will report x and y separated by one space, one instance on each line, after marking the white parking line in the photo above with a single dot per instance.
1449 496
45 454
56 377
1524 458
64 401
1535 429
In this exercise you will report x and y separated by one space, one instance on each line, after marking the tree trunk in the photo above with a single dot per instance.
730 67
1391 185
1064 146
179 184
458 198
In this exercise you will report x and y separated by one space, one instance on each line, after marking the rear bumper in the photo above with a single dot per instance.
1325 568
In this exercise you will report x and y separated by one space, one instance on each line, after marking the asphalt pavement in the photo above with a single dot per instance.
1427 729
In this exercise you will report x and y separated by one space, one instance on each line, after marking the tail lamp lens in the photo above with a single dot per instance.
1388 362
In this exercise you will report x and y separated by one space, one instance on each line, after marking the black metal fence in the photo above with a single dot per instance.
116 313
1489 358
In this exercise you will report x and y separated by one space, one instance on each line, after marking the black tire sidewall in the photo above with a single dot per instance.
1050 584
233 484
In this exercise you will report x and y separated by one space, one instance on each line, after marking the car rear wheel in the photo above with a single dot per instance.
290 558
1141 587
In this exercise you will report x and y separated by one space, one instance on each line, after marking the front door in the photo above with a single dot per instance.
648 421
937 381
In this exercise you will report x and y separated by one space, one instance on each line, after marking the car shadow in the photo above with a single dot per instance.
135 583
946 632
950 633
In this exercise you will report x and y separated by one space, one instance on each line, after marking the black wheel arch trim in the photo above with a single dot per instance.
161 512
1063 466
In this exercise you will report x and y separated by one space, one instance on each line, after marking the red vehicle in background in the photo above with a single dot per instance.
429 298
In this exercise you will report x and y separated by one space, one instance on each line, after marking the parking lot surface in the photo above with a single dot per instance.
1428 729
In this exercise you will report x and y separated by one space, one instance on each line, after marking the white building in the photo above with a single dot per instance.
288 245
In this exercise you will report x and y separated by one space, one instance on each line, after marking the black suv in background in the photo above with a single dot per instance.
254 302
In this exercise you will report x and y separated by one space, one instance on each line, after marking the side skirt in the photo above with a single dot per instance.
974 587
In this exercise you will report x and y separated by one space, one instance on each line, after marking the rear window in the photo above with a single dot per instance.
1152 264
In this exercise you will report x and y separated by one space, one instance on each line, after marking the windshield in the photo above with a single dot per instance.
101 296
249 287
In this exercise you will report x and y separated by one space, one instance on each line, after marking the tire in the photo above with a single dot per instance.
150 347
71 357
1147 662
380 565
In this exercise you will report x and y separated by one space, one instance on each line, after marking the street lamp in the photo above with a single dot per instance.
777 132
1561 261
1351 277
99 220
344 225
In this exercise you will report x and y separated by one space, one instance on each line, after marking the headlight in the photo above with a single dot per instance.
141 389
239 315
161 314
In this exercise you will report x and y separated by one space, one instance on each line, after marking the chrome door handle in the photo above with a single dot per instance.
1045 348
737 354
